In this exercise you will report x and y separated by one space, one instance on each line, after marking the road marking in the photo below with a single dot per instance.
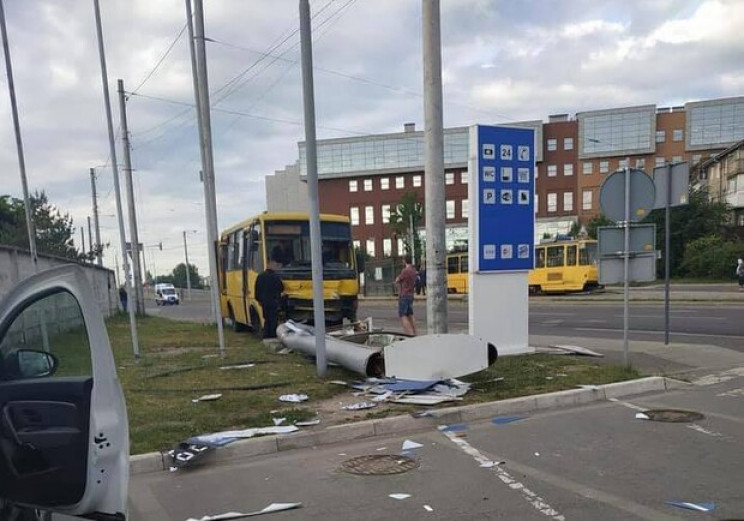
528 495
647 331
628 405
672 316
718 378
698 428
732 392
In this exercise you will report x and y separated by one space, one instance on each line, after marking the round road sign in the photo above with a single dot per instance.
612 195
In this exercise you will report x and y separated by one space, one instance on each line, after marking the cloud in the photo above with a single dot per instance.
502 61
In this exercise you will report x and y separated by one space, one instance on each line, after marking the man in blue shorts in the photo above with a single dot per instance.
406 282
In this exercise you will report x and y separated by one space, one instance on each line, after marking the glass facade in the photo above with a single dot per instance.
390 151
715 123
615 132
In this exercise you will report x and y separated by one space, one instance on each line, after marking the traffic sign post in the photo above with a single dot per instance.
502 232
626 196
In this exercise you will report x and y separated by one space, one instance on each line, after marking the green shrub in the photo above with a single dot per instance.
712 257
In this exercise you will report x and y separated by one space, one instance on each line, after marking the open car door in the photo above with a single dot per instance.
64 438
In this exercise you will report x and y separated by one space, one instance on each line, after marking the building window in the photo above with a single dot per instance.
587 167
450 209
568 201
368 185
449 178
384 183
371 247
604 167
567 143
660 136
552 144
400 182
586 200
354 215
568 169
385 213
659 161
640 163
387 247
678 134
552 202
357 245
416 181
400 246
696 158
353 186
464 177
464 209
676 159
369 215
623 163
552 170
537 202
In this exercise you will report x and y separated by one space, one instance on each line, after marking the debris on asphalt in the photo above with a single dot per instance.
537 453
274 507
279 421
294 398
187 453
207 398
491 464
400 496
218 439
424 414
642 416
456 427
503 420
698 507
408 445
428 508
359 405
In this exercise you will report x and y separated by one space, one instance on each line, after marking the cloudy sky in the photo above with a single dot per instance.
502 61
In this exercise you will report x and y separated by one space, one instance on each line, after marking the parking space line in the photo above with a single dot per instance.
528 495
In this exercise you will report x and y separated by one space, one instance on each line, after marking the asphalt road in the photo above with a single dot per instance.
719 323
577 464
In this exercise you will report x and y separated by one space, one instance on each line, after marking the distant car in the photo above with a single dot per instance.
165 294
63 420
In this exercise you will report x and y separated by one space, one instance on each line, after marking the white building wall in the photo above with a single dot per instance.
286 191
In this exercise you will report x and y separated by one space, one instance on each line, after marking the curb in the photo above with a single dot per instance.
156 461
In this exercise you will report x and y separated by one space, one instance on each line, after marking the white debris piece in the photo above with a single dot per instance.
428 508
240 366
641 416
307 423
207 398
294 398
359 405
400 496
274 507
408 445
279 421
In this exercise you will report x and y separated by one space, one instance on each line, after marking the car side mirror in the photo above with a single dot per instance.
30 363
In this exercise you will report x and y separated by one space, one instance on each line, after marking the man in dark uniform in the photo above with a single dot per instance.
269 288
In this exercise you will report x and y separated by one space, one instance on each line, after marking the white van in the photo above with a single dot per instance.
166 294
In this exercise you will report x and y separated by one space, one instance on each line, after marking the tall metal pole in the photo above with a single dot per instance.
188 270
82 240
626 265
19 142
436 296
99 248
308 98
205 133
115 168
90 237
215 311
667 246
133 230
413 239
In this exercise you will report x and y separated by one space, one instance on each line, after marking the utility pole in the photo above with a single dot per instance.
115 168
188 270
436 295
311 156
133 233
19 143
205 134
82 240
99 248
90 237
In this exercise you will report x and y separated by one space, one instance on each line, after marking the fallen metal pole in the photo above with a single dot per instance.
348 355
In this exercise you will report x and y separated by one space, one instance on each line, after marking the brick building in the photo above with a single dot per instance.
364 177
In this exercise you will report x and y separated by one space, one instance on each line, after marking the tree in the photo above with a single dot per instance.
699 218
406 213
53 230
711 256
179 276
596 222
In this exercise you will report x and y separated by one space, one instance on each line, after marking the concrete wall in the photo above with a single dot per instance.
16 265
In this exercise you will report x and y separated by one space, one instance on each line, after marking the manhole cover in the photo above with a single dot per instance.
379 464
673 415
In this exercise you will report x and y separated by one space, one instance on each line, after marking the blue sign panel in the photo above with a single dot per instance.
505 172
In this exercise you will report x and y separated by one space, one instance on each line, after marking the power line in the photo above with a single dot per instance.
162 58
